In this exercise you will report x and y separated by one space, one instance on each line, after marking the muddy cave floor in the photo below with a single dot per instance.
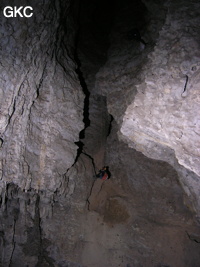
153 223
140 216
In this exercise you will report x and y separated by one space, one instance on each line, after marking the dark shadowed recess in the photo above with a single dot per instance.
94 22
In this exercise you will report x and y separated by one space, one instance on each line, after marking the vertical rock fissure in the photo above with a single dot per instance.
80 151
41 80
81 78
185 86
110 125
13 243
86 119
90 54
38 223
86 92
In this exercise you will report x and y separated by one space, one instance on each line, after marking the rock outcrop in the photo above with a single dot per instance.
152 91
41 102
78 93
164 117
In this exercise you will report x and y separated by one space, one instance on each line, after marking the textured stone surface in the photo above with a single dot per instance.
41 116
164 117
39 229
53 212
41 103
157 205
153 91
166 107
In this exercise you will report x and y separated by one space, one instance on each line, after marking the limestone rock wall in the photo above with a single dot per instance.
41 115
152 91
53 212
166 107
41 102
159 210
143 216
43 229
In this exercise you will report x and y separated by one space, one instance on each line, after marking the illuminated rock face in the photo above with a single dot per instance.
41 102
167 102
153 91
164 118
140 104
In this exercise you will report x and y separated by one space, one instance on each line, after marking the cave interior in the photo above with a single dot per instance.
72 76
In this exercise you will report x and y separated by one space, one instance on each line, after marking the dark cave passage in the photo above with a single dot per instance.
104 40
102 23
101 26
86 118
